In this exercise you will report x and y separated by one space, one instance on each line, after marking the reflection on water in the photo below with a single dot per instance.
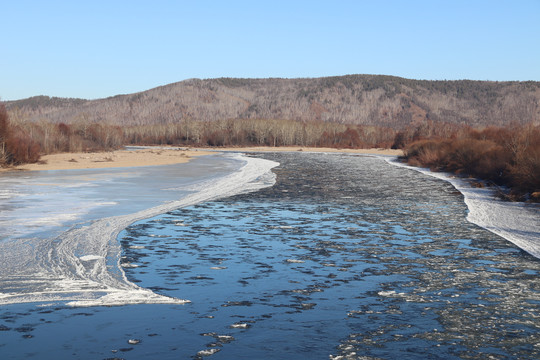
346 257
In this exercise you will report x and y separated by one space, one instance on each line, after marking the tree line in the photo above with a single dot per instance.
23 141
260 132
501 155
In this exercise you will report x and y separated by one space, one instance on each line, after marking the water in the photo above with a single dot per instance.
344 257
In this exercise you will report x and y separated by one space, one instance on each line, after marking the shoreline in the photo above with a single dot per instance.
372 151
513 221
111 159
160 155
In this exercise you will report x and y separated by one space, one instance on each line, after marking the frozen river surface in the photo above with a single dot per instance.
345 257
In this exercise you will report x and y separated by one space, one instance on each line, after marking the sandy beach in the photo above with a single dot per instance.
112 159
160 156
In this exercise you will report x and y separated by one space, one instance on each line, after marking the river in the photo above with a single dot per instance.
334 256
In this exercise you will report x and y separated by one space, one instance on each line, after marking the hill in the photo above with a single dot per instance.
353 99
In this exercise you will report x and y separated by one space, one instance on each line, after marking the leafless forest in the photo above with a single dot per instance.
354 100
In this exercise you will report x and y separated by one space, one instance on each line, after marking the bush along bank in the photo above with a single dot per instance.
508 157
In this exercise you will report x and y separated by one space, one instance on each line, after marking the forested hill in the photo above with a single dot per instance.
352 99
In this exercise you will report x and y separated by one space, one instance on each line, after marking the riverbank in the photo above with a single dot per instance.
112 159
390 152
150 156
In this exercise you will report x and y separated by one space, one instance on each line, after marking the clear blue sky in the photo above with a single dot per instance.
95 49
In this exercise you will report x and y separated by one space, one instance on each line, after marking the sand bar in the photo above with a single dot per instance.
311 149
161 156
113 159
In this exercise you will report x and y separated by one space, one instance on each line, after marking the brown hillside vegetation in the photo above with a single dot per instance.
375 100
503 156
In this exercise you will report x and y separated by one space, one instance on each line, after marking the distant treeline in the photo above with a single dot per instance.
84 135
259 132
503 156
22 141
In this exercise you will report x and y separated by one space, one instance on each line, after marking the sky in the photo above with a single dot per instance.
95 49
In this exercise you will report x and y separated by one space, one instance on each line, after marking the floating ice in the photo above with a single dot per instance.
239 326
295 261
208 352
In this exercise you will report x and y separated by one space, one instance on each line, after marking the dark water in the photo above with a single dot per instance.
345 257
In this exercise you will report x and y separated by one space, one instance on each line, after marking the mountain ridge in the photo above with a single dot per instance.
382 100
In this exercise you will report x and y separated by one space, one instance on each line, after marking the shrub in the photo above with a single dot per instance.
503 156
22 149
428 153
16 147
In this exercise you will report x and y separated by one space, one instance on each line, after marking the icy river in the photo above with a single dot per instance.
265 256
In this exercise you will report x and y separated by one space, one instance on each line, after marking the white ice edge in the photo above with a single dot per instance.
86 280
518 223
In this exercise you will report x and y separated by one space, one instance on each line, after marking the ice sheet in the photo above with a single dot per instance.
81 266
